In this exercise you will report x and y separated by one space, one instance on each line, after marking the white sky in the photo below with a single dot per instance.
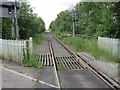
48 9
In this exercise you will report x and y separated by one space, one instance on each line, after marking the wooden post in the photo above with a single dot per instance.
1 48
27 50
30 45
119 48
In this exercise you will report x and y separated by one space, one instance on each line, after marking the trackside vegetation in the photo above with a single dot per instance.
31 61
62 35
37 39
61 67
90 46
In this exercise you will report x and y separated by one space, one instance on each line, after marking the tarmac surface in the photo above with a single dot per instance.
12 80
16 76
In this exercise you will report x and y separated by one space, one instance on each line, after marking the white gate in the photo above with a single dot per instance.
110 44
14 49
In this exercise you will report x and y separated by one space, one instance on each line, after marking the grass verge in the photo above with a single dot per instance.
62 35
37 39
32 61
90 46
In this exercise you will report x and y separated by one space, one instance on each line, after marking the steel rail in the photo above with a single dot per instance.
109 81
54 64
70 51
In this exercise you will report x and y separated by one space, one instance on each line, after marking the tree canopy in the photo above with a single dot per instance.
63 22
29 23
94 19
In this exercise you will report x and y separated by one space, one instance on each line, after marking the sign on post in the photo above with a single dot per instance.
7 9
11 10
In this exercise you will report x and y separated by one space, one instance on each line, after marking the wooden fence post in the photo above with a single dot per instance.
119 48
0 48
30 45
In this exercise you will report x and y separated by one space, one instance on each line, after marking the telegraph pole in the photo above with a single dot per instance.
73 28
15 21
74 19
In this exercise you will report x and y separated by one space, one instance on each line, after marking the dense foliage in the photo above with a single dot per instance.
6 28
94 19
29 23
63 22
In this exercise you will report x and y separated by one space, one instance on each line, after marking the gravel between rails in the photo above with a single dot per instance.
43 47
58 49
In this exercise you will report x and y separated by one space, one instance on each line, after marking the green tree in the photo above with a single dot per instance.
94 19
63 22
116 28
6 28
98 18
29 23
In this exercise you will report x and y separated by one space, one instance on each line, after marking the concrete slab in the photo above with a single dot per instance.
83 78
48 75
12 79
45 86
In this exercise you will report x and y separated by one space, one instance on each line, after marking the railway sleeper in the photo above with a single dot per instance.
45 59
69 62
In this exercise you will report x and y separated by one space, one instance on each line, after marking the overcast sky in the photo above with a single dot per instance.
48 9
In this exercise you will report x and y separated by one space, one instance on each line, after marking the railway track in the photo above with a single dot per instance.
71 61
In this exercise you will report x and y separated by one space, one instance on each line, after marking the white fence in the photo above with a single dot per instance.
110 44
13 49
